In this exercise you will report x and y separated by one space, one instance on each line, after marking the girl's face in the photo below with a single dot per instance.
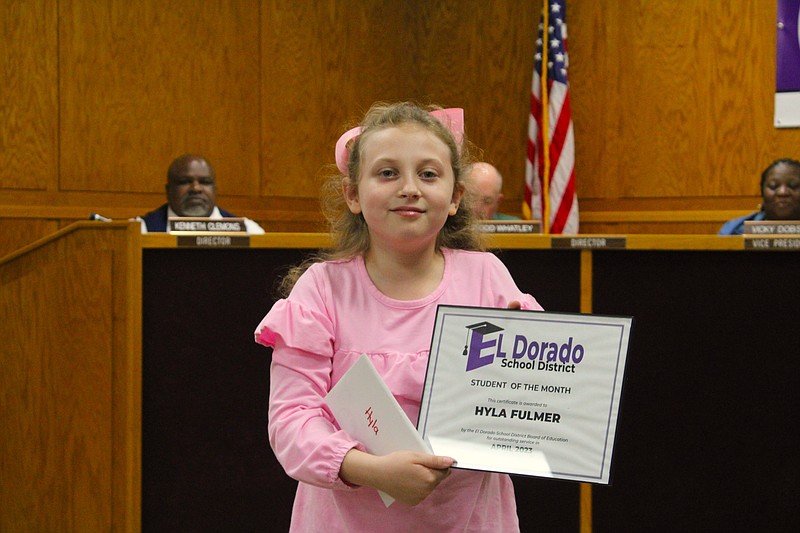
406 187
781 193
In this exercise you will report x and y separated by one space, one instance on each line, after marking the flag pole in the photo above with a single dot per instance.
545 122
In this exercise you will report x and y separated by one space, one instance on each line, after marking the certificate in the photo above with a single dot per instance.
525 392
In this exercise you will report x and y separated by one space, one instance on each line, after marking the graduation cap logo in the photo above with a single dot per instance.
481 329
476 345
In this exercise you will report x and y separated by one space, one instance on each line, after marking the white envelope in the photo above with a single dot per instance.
365 408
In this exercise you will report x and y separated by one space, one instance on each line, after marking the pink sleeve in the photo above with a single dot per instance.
302 431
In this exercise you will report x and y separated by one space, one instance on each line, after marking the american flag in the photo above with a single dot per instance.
562 203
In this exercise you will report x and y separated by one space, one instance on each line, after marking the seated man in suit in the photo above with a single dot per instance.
191 192
486 184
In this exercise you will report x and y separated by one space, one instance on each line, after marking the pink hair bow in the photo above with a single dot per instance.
452 118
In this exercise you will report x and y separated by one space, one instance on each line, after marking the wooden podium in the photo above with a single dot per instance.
133 397
70 382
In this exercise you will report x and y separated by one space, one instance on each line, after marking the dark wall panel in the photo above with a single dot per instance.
206 460
705 439
551 276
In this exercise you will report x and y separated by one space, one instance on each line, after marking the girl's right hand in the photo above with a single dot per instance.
406 476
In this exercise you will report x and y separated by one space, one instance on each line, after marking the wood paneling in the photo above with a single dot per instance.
70 384
341 56
143 82
650 228
672 101
19 232
28 95
479 55
324 63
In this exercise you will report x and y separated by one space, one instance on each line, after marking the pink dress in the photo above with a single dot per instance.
333 315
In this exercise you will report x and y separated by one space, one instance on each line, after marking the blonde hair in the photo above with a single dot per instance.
349 231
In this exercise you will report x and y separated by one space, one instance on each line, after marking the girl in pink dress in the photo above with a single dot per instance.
404 242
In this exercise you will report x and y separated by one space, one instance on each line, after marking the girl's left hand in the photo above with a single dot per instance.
406 476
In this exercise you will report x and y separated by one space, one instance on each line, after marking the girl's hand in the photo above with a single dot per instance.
514 305
406 476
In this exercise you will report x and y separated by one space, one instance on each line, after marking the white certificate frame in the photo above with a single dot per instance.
488 403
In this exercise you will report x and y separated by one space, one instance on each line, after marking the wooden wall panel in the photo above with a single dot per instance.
442 59
596 77
650 228
17 233
143 82
672 101
324 63
479 55
686 103
28 96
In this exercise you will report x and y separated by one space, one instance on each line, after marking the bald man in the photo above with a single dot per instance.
191 192
486 184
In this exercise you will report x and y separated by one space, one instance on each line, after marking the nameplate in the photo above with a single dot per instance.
510 226
190 225
210 240
788 243
772 227
590 243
